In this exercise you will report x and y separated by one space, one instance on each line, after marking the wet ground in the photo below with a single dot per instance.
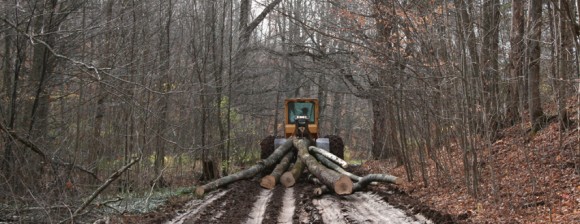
246 202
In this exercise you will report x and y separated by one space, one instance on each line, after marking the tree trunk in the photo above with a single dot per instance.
534 48
325 161
250 172
336 113
288 179
489 66
165 86
328 155
341 184
246 29
96 142
379 128
565 59
217 49
366 180
9 78
516 61
269 181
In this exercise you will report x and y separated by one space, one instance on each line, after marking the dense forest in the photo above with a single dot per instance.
142 94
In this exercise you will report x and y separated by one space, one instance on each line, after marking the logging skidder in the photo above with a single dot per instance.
322 157
301 118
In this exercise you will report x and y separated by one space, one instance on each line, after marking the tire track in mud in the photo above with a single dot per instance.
195 206
305 211
231 207
281 207
246 202
361 207
330 209
288 207
259 207
275 205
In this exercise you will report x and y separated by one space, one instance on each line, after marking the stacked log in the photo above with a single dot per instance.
269 181
341 184
248 173
327 169
289 178
329 156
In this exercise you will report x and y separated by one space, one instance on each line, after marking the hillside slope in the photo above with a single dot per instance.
524 179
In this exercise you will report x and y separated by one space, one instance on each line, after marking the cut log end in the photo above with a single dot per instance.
268 182
398 181
287 179
199 191
343 185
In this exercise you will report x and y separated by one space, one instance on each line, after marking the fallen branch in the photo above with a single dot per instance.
250 172
341 184
329 155
269 181
44 208
110 180
153 185
106 203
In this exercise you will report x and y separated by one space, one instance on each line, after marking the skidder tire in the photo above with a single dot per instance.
336 145
267 146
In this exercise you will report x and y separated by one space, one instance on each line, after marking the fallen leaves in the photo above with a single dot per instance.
522 180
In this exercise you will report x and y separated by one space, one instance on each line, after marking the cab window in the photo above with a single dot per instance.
300 109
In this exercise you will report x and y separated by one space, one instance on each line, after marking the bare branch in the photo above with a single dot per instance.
55 160
104 186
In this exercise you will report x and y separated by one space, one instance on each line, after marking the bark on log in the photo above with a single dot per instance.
288 179
325 161
361 181
250 172
341 184
366 180
329 155
269 181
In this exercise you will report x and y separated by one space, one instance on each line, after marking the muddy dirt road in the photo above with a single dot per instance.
246 202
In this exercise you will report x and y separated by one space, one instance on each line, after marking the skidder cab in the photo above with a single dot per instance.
301 110
301 120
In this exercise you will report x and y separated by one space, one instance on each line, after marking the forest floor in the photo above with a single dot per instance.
523 178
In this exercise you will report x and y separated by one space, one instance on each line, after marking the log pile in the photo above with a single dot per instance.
327 169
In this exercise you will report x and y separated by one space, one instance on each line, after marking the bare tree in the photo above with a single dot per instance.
490 67
534 49
516 61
